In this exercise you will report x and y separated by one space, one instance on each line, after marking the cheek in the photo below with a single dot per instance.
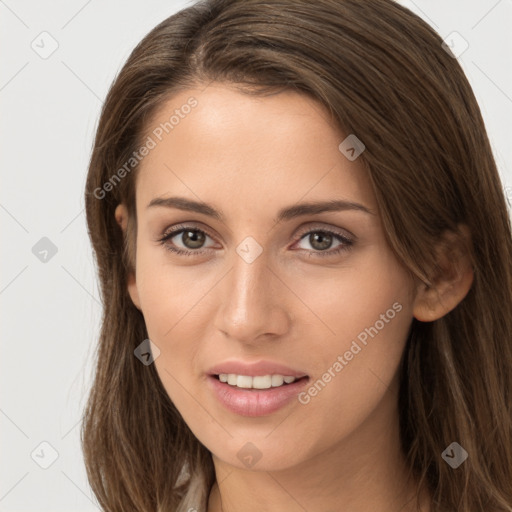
344 302
168 294
369 311
169 318
175 306
355 380
363 319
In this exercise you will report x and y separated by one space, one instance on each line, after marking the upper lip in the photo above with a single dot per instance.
255 368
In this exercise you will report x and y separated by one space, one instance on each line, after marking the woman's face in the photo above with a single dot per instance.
284 272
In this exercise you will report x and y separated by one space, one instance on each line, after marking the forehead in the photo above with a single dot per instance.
231 146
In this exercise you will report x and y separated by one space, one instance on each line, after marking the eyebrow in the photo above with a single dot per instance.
288 213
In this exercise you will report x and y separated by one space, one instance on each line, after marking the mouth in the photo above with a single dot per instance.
256 395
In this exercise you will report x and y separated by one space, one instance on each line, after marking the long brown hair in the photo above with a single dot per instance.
383 75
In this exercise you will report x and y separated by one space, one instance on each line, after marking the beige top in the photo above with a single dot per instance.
196 499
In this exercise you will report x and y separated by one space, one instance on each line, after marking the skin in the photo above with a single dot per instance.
249 157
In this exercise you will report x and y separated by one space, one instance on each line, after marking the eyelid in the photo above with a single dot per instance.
192 226
343 233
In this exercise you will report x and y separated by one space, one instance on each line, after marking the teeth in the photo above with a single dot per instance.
258 382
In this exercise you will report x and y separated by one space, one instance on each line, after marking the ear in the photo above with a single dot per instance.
121 215
452 279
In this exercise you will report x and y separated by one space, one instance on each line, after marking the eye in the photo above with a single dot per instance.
321 240
186 240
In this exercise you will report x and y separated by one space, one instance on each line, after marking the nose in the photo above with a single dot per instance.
253 305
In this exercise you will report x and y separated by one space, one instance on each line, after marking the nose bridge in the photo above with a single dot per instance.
251 301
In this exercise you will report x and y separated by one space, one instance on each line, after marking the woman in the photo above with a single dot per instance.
305 258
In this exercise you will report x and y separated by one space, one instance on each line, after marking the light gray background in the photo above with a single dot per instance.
51 310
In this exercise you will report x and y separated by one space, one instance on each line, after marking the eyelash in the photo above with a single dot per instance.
345 245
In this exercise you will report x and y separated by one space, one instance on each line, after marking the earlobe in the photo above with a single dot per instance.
133 291
121 215
452 280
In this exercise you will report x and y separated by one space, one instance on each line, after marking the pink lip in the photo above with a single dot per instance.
254 369
254 402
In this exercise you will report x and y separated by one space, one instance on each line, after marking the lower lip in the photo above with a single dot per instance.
255 402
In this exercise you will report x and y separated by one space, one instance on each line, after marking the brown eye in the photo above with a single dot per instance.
320 240
186 240
323 242
193 239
